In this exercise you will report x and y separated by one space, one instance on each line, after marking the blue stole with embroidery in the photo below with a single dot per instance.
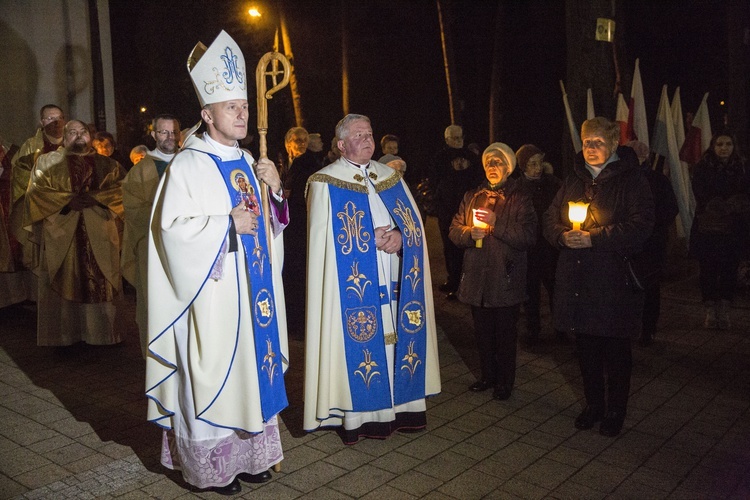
411 347
362 295
255 249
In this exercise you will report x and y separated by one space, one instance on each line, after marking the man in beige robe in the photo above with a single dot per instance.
138 191
74 199
48 138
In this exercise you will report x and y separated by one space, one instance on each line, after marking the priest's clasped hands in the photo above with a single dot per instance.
387 239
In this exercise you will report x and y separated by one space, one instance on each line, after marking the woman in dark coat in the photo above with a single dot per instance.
542 257
721 186
493 278
594 299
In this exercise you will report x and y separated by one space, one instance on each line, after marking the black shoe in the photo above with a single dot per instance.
612 423
480 385
255 478
452 296
588 417
231 489
501 393
446 287
645 340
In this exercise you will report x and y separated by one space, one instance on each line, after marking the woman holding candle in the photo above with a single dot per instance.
496 224
594 299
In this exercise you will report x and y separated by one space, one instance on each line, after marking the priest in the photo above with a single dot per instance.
217 340
371 353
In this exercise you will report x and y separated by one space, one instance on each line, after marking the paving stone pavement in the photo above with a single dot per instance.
73 420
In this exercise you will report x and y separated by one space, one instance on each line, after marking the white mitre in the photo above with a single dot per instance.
218 72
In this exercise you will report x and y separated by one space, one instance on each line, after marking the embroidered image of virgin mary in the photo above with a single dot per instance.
245 192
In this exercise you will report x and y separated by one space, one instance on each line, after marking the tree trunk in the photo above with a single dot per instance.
590 66
446 39
738 40
496 90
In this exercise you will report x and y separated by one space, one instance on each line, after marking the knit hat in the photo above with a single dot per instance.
389 157
218 72
524 154
503 149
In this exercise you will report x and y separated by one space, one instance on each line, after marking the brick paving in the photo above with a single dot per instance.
73 420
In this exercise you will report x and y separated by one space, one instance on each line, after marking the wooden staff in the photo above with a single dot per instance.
261 72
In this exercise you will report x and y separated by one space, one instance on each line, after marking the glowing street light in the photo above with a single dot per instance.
254 12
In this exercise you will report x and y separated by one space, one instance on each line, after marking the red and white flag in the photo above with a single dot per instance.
590 113
574 135
698 137
664 143
638 107
622 120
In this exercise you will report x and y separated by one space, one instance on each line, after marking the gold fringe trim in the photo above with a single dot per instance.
335 181
391 181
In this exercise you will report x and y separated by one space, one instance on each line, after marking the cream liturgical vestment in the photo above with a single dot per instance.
138 191
204 368
80 250
371 353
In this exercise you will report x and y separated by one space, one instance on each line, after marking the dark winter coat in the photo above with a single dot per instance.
453 172
592 292
495 275
720 225
542 192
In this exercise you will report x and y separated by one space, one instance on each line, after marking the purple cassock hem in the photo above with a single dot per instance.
212 464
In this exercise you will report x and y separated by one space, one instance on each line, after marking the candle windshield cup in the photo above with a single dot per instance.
577 213
478 223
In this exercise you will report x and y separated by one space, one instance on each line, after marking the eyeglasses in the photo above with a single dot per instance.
167 132
50 119
594 144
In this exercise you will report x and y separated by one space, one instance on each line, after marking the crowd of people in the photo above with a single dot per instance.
229 256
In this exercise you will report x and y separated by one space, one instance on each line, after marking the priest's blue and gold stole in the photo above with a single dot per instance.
362 295
243 188
411 345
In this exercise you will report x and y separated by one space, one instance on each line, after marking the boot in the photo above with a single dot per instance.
722 314
711 321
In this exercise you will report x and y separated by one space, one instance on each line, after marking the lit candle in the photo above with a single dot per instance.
577 213
478 223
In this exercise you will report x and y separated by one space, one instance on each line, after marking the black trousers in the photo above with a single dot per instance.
651 309
496 331
537 275
606 366
718 277
454 255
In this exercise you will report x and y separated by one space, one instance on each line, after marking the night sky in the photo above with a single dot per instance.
396 66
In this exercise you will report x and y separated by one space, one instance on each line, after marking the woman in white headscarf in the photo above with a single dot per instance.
493 279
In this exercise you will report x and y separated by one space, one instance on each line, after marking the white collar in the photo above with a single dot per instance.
225 152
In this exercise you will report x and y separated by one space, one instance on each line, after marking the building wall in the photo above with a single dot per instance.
46 59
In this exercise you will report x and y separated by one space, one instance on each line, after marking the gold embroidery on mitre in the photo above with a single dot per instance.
353 231
361 323
368 364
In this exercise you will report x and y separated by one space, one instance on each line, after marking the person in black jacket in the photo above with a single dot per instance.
542 188
454 171
719 234
493 278
594 299
654 254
